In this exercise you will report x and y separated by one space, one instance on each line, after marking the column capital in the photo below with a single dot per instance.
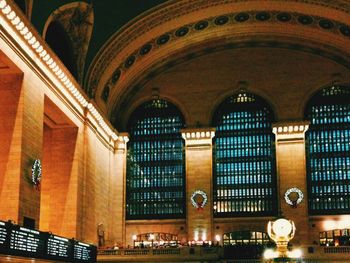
198 133
121 141
293 130
198 137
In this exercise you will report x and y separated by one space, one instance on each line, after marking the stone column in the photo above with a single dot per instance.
199 178
291 172
21 135
118 181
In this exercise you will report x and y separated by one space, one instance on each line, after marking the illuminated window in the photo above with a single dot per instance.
155 165
337 237
245 244
328 151
155 239
244 158
245 237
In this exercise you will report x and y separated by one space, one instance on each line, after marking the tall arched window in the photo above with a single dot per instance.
328 151
155 165
244 158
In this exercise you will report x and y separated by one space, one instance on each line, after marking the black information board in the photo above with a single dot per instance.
25 242
84 252
3 236
59 247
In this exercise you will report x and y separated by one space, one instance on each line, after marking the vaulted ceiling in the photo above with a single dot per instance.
193 51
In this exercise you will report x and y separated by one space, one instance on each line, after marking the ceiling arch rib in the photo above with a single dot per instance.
76 20
124 62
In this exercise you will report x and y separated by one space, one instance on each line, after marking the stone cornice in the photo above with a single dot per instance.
120 43
290 131
20 36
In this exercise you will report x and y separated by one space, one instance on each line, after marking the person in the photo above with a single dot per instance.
101 235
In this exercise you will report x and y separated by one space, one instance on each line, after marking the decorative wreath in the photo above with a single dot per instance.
36 173
290 202
199 204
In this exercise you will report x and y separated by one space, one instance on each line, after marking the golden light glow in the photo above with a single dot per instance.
329 225
35 45
282 227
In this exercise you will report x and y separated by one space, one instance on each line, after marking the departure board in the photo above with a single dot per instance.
84 252
26 241
58 247
3 236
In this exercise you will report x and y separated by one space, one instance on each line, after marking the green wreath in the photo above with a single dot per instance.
36 172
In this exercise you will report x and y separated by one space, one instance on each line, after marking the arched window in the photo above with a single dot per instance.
328 151
244 158
59 41
155 165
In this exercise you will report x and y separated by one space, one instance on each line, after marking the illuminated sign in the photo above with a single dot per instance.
58 247
83 252
3 236
25 242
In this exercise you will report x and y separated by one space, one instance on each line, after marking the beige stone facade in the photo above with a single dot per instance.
84 158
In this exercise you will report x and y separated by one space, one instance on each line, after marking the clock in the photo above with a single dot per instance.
282 227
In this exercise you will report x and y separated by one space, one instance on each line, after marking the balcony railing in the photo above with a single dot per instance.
337 250
190 252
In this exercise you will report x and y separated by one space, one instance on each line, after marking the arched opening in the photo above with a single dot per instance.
328 151
156 162
244 158
61 44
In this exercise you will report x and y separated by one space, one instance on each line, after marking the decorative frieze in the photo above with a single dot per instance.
290 131
198 136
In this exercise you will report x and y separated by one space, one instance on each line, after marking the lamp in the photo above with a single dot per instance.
281 231
151 237
134 237
217 238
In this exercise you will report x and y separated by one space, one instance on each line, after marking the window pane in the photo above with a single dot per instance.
244 158
328 151
155 164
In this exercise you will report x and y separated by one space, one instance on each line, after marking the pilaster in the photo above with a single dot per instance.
118 181
198 154
291 172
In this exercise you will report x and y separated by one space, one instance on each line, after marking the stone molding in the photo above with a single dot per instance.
290 131
124 38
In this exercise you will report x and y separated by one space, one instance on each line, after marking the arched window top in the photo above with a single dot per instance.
153 109
155 164
242 101
334 94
